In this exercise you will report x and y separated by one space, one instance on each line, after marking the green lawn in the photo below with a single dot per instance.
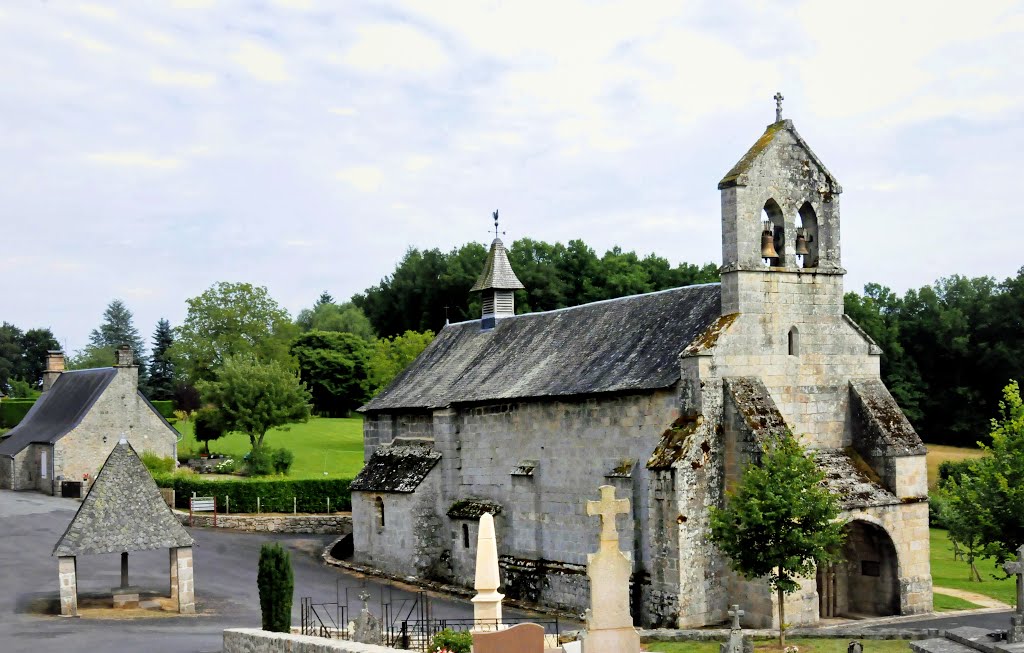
947 572
321 444
806 645
943 602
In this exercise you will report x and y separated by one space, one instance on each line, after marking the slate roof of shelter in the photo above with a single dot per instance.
396 468
737 175
852 480
498 273
617 345
122 512
59 409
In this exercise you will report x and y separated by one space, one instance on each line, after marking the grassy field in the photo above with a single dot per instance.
321 444
944 602
806 645
940 452
947 572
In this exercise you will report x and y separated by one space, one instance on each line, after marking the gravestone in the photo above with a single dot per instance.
1016 632
855 647
522 638
609 625
366 629
738 642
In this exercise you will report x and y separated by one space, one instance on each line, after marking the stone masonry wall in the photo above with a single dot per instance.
318 524
254 640
119 410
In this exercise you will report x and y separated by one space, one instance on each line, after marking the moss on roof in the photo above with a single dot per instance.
745 163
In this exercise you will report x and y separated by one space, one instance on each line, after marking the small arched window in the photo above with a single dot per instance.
794 342
380 512
465 536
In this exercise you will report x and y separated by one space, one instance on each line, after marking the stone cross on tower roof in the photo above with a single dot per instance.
608 507
778 105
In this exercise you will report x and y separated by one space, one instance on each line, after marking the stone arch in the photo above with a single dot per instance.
809 223
776 219
866 582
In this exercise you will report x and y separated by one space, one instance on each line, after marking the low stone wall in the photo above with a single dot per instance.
254 640
316 524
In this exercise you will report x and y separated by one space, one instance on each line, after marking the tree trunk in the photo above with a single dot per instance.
782 620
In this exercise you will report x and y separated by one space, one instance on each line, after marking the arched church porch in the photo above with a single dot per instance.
866 582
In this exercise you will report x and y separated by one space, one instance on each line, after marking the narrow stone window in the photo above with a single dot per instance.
794 342
465 536
380 512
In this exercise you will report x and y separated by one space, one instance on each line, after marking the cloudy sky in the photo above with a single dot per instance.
151 148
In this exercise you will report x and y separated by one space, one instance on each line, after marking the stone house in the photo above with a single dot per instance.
667 396
63 440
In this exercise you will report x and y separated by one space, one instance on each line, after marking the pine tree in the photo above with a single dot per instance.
118 329
325 298
276 584
161 367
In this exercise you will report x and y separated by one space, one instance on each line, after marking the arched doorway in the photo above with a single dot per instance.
867 581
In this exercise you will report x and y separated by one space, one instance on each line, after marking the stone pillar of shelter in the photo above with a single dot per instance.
186 586
66 571
173 555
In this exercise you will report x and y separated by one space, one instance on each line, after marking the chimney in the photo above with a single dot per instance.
126 368
125 357
54 366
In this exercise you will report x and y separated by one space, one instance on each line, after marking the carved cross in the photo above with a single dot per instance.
778 105
1017 568
607 508
735 613
364 596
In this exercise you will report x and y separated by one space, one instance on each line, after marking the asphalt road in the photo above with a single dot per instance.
225 577
990 620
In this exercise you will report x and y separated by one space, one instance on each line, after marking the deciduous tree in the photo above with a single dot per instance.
333 366
392 355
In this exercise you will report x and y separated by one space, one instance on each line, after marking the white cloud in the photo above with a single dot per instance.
301 5
417 162
395 48
260 61
135 160
98 11
158 37
183 78
365 178
87 42
343 111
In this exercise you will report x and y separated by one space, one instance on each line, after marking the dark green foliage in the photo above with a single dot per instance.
207 426
186 397
947 350
780 523
333 366
118 328
13 411
430 286
955 469
452 640
165 408
264 461
23 356
282 460
275 494
276 584
161 368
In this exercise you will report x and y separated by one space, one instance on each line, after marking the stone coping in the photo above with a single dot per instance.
275 523
853 630
255 640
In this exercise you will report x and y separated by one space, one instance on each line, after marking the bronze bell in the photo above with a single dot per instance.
801 244
768 245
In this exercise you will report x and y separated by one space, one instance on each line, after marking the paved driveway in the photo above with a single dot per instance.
225 568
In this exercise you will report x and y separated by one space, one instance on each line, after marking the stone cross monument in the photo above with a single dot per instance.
1016 632
737 642
487 602
609 625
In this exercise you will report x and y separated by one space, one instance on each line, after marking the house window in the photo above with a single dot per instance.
465 536
42 466
380 512
794 342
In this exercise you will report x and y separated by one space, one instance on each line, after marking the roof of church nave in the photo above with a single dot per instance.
625 344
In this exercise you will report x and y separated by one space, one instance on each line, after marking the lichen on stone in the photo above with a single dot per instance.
673 444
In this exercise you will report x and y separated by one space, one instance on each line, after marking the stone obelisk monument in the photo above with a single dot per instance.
487 602
609 626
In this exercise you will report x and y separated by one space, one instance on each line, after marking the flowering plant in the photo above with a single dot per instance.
791 649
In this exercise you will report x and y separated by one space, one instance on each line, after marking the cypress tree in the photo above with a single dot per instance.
276 584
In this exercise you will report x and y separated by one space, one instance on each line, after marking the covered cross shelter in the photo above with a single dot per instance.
124 512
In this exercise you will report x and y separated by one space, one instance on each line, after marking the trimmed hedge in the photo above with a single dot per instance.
164 406
13 411
275 495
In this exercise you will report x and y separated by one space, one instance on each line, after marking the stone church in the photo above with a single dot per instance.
667 396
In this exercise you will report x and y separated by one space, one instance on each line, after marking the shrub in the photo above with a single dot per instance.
275 494
282 459
229 466
260 461
452 640
955 469
13 411
157 464
276 584
207 426
164 407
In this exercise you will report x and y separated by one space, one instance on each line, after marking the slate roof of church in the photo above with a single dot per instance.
122 512
618 345
59 409
498 273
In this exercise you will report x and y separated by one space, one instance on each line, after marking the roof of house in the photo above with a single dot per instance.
618 345
498 273
59 409
396 467
122 512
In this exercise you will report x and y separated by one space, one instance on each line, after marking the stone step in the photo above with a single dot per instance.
939 645
975 638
